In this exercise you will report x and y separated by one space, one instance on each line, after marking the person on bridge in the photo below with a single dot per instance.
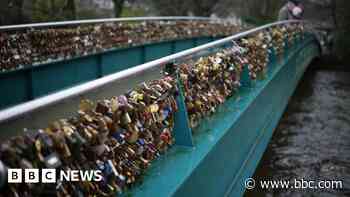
292 10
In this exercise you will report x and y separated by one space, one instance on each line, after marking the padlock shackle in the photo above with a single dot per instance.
26 110
107 20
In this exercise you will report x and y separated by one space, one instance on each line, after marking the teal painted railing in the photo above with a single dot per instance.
226 147
36 81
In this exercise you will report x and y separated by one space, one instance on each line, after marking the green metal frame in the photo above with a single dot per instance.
228 145
33 81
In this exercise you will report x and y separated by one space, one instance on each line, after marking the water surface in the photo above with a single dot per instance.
312 140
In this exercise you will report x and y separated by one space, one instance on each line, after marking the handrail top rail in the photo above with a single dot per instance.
104 20
49 100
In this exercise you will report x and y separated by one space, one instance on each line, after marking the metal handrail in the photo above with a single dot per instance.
77 91
104 20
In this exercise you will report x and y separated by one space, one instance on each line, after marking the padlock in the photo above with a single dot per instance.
52 161
98 149
3 174
103 107
44 45
92 135
56 134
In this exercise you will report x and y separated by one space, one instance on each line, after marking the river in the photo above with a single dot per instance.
312 141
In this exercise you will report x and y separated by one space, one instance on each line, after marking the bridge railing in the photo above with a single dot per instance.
110 20
33 54
36 113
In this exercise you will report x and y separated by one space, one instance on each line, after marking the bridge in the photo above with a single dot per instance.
230 94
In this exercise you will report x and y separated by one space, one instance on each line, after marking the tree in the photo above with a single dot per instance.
342 30
54 10
184 7
258 11
203 7
11 12
18 9
118 7
70 10
333 7
171 7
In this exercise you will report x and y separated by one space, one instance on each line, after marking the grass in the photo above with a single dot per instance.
133 12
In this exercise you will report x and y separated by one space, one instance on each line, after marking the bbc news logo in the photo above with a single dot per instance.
52 175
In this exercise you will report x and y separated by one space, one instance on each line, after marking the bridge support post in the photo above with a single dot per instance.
245 78
272 60
182 129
